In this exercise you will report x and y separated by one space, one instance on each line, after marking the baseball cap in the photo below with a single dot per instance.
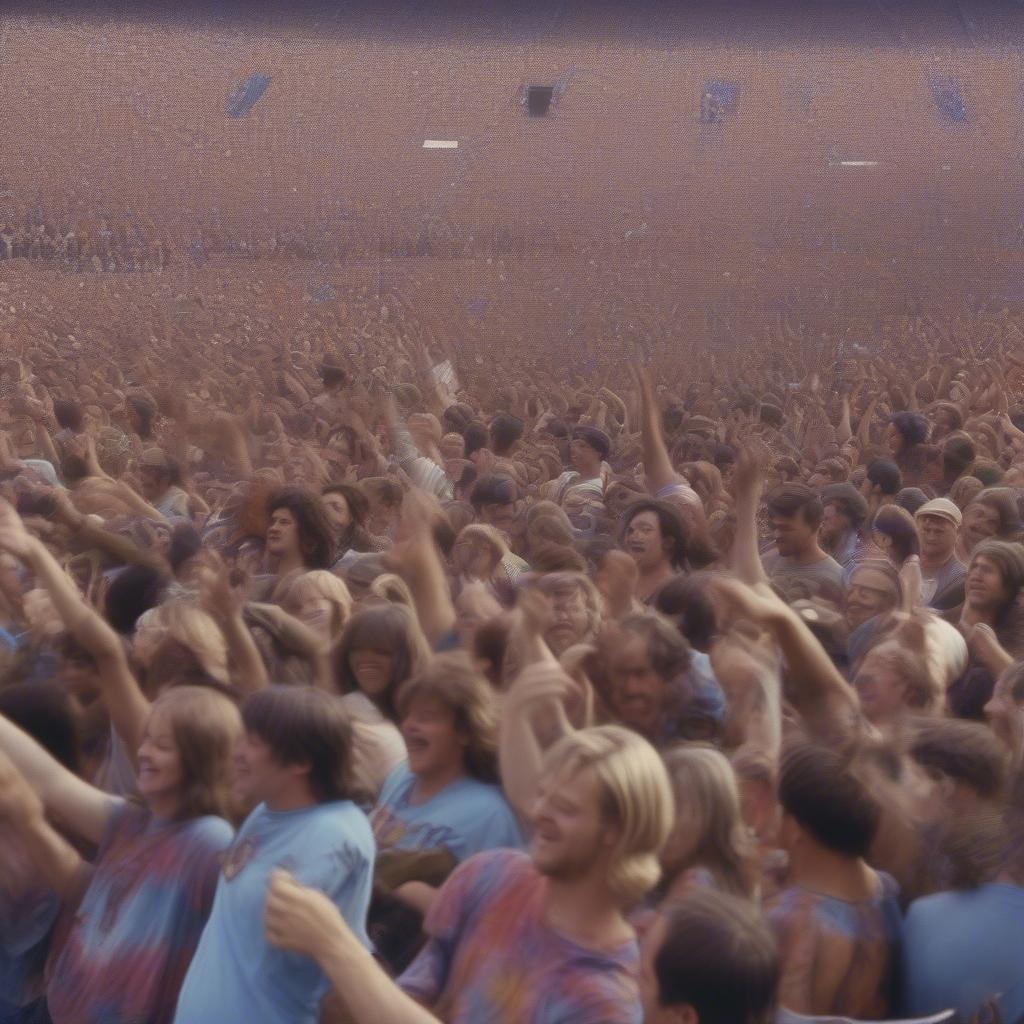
943 508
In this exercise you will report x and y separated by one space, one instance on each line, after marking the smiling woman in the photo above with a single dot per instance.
146 898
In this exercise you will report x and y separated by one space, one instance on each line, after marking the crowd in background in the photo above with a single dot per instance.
353 674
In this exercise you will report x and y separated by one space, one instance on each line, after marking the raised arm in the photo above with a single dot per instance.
126 703
657 464
748 483
825 700
51 854
225 604
81 807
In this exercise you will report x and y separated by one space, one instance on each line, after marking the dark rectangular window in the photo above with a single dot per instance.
538 99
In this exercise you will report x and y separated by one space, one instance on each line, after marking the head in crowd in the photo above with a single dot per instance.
647 659
710 959
796 515
299 532
654 534
449 716
347 511
604 811
296 750
184 760
894 533
576 608
709 831
321 600
382 646
906 429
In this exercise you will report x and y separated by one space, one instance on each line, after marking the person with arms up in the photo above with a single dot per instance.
517 939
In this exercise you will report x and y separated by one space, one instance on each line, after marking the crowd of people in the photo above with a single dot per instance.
356 678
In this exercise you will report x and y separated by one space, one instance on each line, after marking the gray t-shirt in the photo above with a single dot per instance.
787 573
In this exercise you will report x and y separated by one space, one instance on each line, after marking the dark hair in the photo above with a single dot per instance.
848 501
475 436
306 726
789 500
671 524
911 499
46 712
720 957
967 752
356 536
386 627
504 431
818 789
493 489
316 539
595 438
185 544
1003 502
146 411
73 468
913 427
958 452
134 590
685 600
68 414
667 649
898 525
885 475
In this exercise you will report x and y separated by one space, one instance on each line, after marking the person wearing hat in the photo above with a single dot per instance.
159 479
938 521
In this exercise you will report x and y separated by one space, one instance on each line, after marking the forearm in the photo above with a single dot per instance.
121 548
369 995
825 700
657 464
56 860
746 558
250 673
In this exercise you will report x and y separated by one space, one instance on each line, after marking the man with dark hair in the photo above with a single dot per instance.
838 922
300 534
882 482
710 959
504 432
494 500
798 559
919 462
845 514
295 764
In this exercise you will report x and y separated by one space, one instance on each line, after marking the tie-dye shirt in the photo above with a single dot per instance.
839 958
139 923
491 958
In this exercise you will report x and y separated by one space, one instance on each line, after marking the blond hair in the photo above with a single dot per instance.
198 631
703 780
392 588
636 799
324 584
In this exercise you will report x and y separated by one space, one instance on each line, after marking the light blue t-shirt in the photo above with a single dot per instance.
466 817
236 975
962 949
